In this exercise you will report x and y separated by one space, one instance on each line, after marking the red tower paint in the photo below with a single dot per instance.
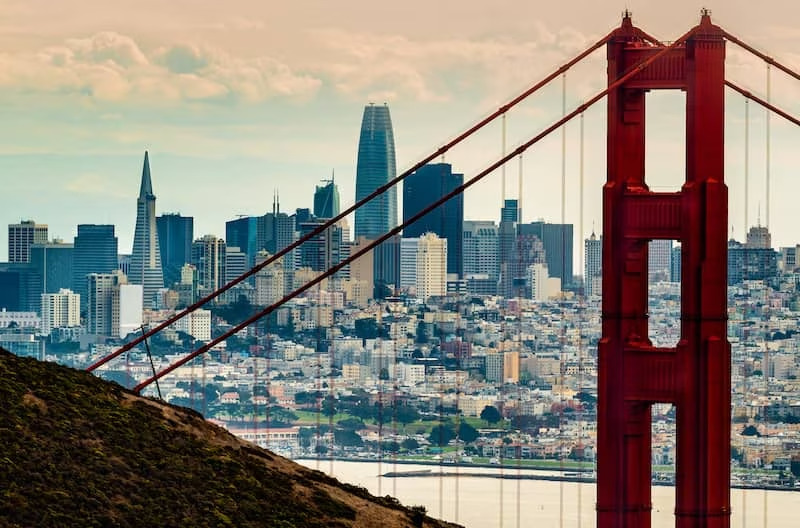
695 375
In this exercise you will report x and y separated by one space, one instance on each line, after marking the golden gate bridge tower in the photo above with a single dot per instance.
633 374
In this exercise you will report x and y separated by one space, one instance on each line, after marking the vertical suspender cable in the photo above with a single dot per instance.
769 118
503 168
519 358
563 284
765 367
582 308
746 225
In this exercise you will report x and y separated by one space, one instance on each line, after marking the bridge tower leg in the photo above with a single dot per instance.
633 374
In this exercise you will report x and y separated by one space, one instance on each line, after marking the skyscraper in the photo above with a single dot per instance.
326 200
53 261
557 241
593 265
22 236
175 236
243 233
376 166
422 188
94 251
659 259
146 258
208 256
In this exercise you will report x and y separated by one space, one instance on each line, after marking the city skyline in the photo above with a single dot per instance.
84 82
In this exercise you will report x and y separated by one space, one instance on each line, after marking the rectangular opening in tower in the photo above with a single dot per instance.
664 292
663 453
665 140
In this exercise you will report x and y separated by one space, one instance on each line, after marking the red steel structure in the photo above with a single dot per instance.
633 374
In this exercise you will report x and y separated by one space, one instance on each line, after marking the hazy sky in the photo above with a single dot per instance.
235 99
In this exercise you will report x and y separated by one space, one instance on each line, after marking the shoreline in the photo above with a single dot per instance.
508 475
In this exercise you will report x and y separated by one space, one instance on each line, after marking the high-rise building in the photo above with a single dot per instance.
20 288
759 237
420 189
480 249
208 256
326 200
408 265
243 233
276 231
146 257
592 265
557 242
659 259
326 249
53 261
126 309
431 266
94 251
510 211
362 272
675 265
235 262
750 263
101 289
540 285
376 166
62 309
175 236
22 236
269 281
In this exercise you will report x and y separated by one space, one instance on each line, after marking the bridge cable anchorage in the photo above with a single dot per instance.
396 230
343 214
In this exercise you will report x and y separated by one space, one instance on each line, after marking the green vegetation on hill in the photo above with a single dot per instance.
79 451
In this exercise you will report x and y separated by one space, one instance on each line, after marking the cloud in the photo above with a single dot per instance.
436 70
110 66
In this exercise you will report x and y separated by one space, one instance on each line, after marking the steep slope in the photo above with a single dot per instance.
78 451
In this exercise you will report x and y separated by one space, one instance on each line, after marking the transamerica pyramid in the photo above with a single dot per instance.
146 258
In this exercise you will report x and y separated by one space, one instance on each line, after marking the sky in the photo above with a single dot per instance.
237 99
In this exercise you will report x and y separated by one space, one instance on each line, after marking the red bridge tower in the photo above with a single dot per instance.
633 374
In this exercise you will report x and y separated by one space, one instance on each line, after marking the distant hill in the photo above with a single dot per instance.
78 451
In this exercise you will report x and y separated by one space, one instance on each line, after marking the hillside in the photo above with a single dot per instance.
79 451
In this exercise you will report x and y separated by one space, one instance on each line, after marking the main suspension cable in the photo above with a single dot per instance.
394 231
342 215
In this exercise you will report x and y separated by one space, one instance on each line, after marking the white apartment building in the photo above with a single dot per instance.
197 324
59 310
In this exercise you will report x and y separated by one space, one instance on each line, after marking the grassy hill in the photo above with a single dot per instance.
78 451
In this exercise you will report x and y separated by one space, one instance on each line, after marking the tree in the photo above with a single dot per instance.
280 416
384 374
406 414
422 335
490 414
441 435
750 430
410 444
353 424
329 405
467 433
366 328
304 435
347 438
